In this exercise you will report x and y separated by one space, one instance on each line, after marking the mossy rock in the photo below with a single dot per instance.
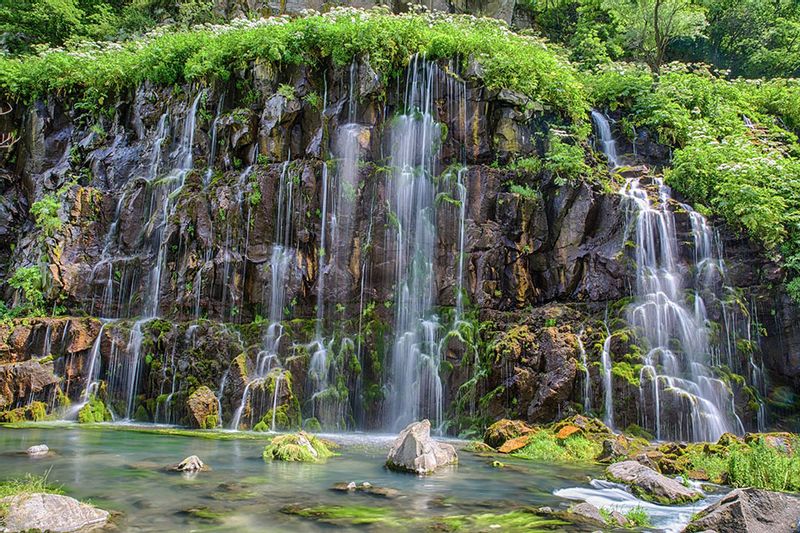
34 412
503 430
297 447
94 411
477 446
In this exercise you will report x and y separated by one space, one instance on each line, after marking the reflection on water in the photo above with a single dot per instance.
123 471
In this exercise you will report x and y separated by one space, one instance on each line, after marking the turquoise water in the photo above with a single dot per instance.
123 471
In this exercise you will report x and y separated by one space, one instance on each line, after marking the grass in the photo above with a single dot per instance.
638 517
544 446
29 484
756 464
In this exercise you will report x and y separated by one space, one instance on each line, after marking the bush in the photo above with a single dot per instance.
28 280
94 73
45 213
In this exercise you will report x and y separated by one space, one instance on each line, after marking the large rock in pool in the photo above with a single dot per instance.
415 451
50 512
751 510
649 485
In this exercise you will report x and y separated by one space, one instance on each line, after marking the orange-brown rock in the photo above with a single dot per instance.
514 444
567 431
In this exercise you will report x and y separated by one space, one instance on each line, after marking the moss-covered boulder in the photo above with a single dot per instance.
298 447
503 430
33 412
203 408
94 411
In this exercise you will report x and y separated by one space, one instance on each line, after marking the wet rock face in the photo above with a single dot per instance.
752 510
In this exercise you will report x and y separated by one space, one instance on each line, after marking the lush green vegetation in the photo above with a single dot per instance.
759 464
299 447
735 146
544 446
752 38
94 73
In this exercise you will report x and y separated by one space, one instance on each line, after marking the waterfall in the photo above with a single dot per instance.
280 270
689 402
415 389
608 391
587 378
609 146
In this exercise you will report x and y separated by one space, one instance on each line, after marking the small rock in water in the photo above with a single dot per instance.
415 451
190 464
38 450
50 512
367 488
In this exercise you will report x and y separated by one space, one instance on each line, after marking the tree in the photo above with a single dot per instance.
649 26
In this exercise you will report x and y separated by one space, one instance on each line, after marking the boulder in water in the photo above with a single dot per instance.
50 512
39 450
415 451
190 464
649 485
299 447
751 510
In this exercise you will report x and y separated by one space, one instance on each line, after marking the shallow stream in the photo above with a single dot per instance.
123 470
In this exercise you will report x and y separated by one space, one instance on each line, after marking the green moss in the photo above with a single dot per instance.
94 411
312 425
522 520
34 412
627 371
350 515
296 447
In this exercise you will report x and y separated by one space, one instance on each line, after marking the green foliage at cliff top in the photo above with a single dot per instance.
736 152
95 72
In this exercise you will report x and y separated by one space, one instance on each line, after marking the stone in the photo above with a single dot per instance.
415 451
502 430
588 514
366 488
613 449
649 485
514 444
190 464
567 431
751 510
38 451
204 408
50 512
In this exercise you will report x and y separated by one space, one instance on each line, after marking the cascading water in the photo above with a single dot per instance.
280 268
415 389
677 365
608 145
